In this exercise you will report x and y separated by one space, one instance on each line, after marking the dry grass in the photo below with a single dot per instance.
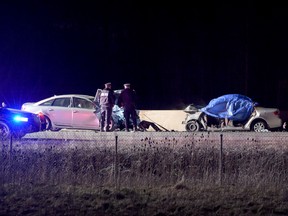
150 177
169 200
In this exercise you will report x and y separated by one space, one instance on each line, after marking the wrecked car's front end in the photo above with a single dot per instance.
194 120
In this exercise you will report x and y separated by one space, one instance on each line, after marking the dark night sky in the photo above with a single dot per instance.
173 55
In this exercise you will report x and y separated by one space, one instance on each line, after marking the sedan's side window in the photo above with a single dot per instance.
62 102
82 103
89 105
47 103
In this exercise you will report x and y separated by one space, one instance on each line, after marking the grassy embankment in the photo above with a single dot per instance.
166 177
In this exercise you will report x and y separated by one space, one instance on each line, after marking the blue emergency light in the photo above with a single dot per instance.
20 119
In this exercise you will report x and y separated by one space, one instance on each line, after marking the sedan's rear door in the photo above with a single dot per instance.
60 112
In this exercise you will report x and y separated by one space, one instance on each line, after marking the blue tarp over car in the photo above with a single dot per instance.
234 107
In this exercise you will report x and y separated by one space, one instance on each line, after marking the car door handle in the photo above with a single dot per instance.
75 111
50 109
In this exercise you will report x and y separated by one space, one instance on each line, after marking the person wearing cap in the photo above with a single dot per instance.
107 101
127 100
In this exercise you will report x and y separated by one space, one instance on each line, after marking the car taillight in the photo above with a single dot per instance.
277 112
41 115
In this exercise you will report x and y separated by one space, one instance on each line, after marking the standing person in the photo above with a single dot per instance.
127 100
107 101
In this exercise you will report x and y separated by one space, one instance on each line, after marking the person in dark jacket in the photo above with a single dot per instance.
127 100
107 101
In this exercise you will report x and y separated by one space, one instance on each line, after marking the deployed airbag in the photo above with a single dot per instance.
234 107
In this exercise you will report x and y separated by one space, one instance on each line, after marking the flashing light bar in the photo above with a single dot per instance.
20 119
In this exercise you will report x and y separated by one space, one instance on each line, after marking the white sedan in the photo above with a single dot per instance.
73 111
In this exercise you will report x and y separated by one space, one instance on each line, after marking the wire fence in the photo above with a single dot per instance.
146 159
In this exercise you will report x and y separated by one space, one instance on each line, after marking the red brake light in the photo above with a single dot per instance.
41 115
277 112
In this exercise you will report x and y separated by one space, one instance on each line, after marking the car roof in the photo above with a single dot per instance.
72 95
89 97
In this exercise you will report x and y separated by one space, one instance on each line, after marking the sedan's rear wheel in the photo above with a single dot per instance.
259 126
48 123
5 131
192 126
55 129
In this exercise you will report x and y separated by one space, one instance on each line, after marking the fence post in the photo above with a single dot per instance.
10 148
2 162
10 144
116 163
221 159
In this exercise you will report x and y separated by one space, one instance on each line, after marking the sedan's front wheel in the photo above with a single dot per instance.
259 126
